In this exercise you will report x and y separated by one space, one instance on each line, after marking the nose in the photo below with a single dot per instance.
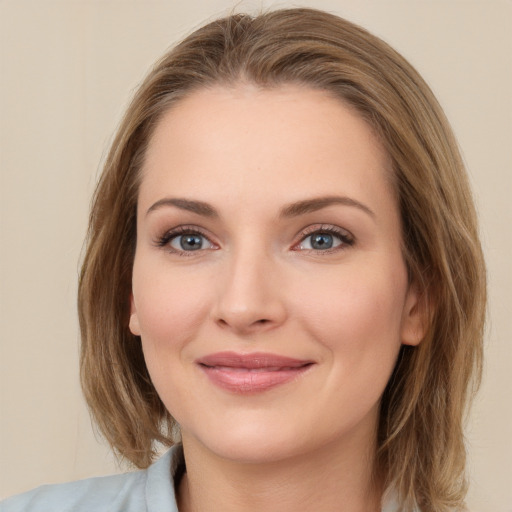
251 297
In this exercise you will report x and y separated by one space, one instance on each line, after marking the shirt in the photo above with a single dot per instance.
149 490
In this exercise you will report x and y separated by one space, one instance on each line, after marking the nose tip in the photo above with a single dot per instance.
250 299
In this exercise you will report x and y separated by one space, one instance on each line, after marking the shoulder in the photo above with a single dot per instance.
138 491
102 493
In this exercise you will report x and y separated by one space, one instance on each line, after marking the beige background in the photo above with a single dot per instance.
67 71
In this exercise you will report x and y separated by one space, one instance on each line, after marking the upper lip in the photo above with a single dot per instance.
251 361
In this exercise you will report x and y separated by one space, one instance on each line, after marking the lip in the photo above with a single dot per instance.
251 373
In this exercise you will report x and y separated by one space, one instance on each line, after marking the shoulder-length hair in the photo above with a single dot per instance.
421 450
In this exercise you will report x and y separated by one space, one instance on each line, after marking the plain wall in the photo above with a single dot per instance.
68 69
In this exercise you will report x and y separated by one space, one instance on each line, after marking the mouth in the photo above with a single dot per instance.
251 373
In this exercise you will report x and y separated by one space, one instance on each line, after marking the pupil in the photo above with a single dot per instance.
322 241
190 242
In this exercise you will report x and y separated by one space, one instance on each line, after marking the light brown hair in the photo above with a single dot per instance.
420 438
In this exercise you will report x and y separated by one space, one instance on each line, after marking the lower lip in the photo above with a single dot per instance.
243 380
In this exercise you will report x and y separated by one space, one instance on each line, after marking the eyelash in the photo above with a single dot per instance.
346 239
164 241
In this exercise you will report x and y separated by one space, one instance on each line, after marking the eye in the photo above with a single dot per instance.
325 239
185 240
320 241
190 242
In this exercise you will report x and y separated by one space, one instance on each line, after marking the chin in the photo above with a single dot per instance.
250 443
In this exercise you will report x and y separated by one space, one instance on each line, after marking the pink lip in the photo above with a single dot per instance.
251 373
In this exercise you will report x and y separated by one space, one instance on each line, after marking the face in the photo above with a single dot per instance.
269 288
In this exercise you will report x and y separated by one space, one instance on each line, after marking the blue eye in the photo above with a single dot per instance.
322 241
185 240
190 242
325 239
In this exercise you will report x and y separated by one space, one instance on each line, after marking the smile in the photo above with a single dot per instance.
251 373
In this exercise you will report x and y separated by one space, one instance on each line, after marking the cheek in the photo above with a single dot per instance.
357 311
358 324
170 306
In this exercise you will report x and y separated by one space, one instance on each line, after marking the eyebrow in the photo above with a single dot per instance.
315 204
189 205
291 210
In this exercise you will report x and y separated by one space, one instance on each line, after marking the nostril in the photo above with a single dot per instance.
226 323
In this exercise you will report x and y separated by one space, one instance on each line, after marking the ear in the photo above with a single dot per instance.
415 315
134 319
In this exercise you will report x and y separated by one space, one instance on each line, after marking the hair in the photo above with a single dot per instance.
421 450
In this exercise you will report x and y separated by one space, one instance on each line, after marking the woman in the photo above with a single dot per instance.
283 280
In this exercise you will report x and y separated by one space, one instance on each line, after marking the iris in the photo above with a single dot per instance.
322 241
191 242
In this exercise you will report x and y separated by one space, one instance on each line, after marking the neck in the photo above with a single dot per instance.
332 478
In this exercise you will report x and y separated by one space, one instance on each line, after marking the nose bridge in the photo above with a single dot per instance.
249 297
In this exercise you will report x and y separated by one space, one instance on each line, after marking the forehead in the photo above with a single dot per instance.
250 142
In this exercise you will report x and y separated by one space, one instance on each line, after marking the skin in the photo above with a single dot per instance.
257 284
